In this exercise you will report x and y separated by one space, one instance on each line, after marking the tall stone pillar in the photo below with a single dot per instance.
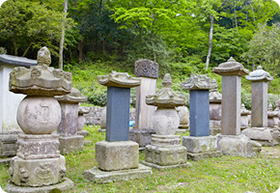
38 165
199 144
147 71
215 111
259 131
230 141
166 150
117 157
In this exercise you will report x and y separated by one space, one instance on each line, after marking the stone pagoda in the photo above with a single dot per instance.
38 165
117 157
82 121
231 142
199 144
67 129
215 111
166 150
244 120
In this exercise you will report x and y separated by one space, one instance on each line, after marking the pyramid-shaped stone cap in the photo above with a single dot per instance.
244 111
40 80
270 112
215 96
166 97
231 67
199 82
259 75
73 97
119 79
83 110
146 68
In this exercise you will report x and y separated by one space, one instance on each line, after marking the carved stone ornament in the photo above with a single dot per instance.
146 68
74 96
83 110
166 97
118 79
215 96
244 111
40 80
231 67
259 75
197 82
270 112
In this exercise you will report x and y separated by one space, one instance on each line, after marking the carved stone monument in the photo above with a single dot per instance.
199 144
117 157
271 116
244 120
184 116
215 108
147 71
231 142
67 129
259 131
165 150
38 166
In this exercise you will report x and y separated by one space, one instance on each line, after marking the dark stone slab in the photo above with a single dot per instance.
199 112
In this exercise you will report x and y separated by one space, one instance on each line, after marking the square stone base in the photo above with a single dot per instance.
98 176
63 186
158 167
165 156
215 127
181 131
203 155
120 155
200 144
71 143
141 136
8 146
263 135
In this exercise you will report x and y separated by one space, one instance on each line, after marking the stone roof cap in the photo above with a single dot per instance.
270 112
215 96
199 82
259 75
244 111
146 68
73 97
16 61
231 67
83 110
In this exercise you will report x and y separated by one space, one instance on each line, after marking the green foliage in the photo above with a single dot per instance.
3 50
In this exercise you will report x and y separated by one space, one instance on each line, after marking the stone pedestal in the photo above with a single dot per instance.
230 141
71 143
8 146
147 70
215 111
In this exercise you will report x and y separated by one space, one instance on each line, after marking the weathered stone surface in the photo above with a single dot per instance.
71 143
215 96
8 146
83 133
146 68
166 140
259 134
141 136
270 116
5 161
159 167
203 155
64 186
244 121
37 172
215 112
184 116
103 119
238 145
215 127
38 146
69 119
118 79
74 96
259 75
276 119
275 132
199 82
98 176
120 155
88 142
231 67
200 144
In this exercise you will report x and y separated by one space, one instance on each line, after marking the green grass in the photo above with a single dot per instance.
223 174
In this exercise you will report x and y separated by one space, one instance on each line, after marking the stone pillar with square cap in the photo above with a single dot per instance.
38 166
147 71
165 150
117 157
199 144
215 111
259 131
230 141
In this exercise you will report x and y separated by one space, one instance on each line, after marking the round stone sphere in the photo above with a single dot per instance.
166 121
38 115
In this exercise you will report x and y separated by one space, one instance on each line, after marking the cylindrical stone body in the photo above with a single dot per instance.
144 112
117 116
244 122
231 102
81 122
199 112
259 104
103 119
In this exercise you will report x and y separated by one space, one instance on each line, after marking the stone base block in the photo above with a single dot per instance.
141 136
166 140
71 143
64 186
181 131
260 134
121 155
87 142
98 176
83 133
203 155
238 145
8 146
102 130
200 144
159 167
165 156
5 161
37 172
215 127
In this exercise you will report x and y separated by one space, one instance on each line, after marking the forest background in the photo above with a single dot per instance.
183 37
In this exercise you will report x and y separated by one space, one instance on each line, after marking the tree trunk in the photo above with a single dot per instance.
234 6
26 50
80 48
60 63
15 46
210 41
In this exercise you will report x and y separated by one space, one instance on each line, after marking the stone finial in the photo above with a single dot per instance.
215 96
146 68
118 79
197 82
40 80
244 111
231 67
270 112
166 97
83 110
259 75
73 97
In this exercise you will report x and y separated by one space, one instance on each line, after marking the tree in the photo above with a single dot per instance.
60 62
